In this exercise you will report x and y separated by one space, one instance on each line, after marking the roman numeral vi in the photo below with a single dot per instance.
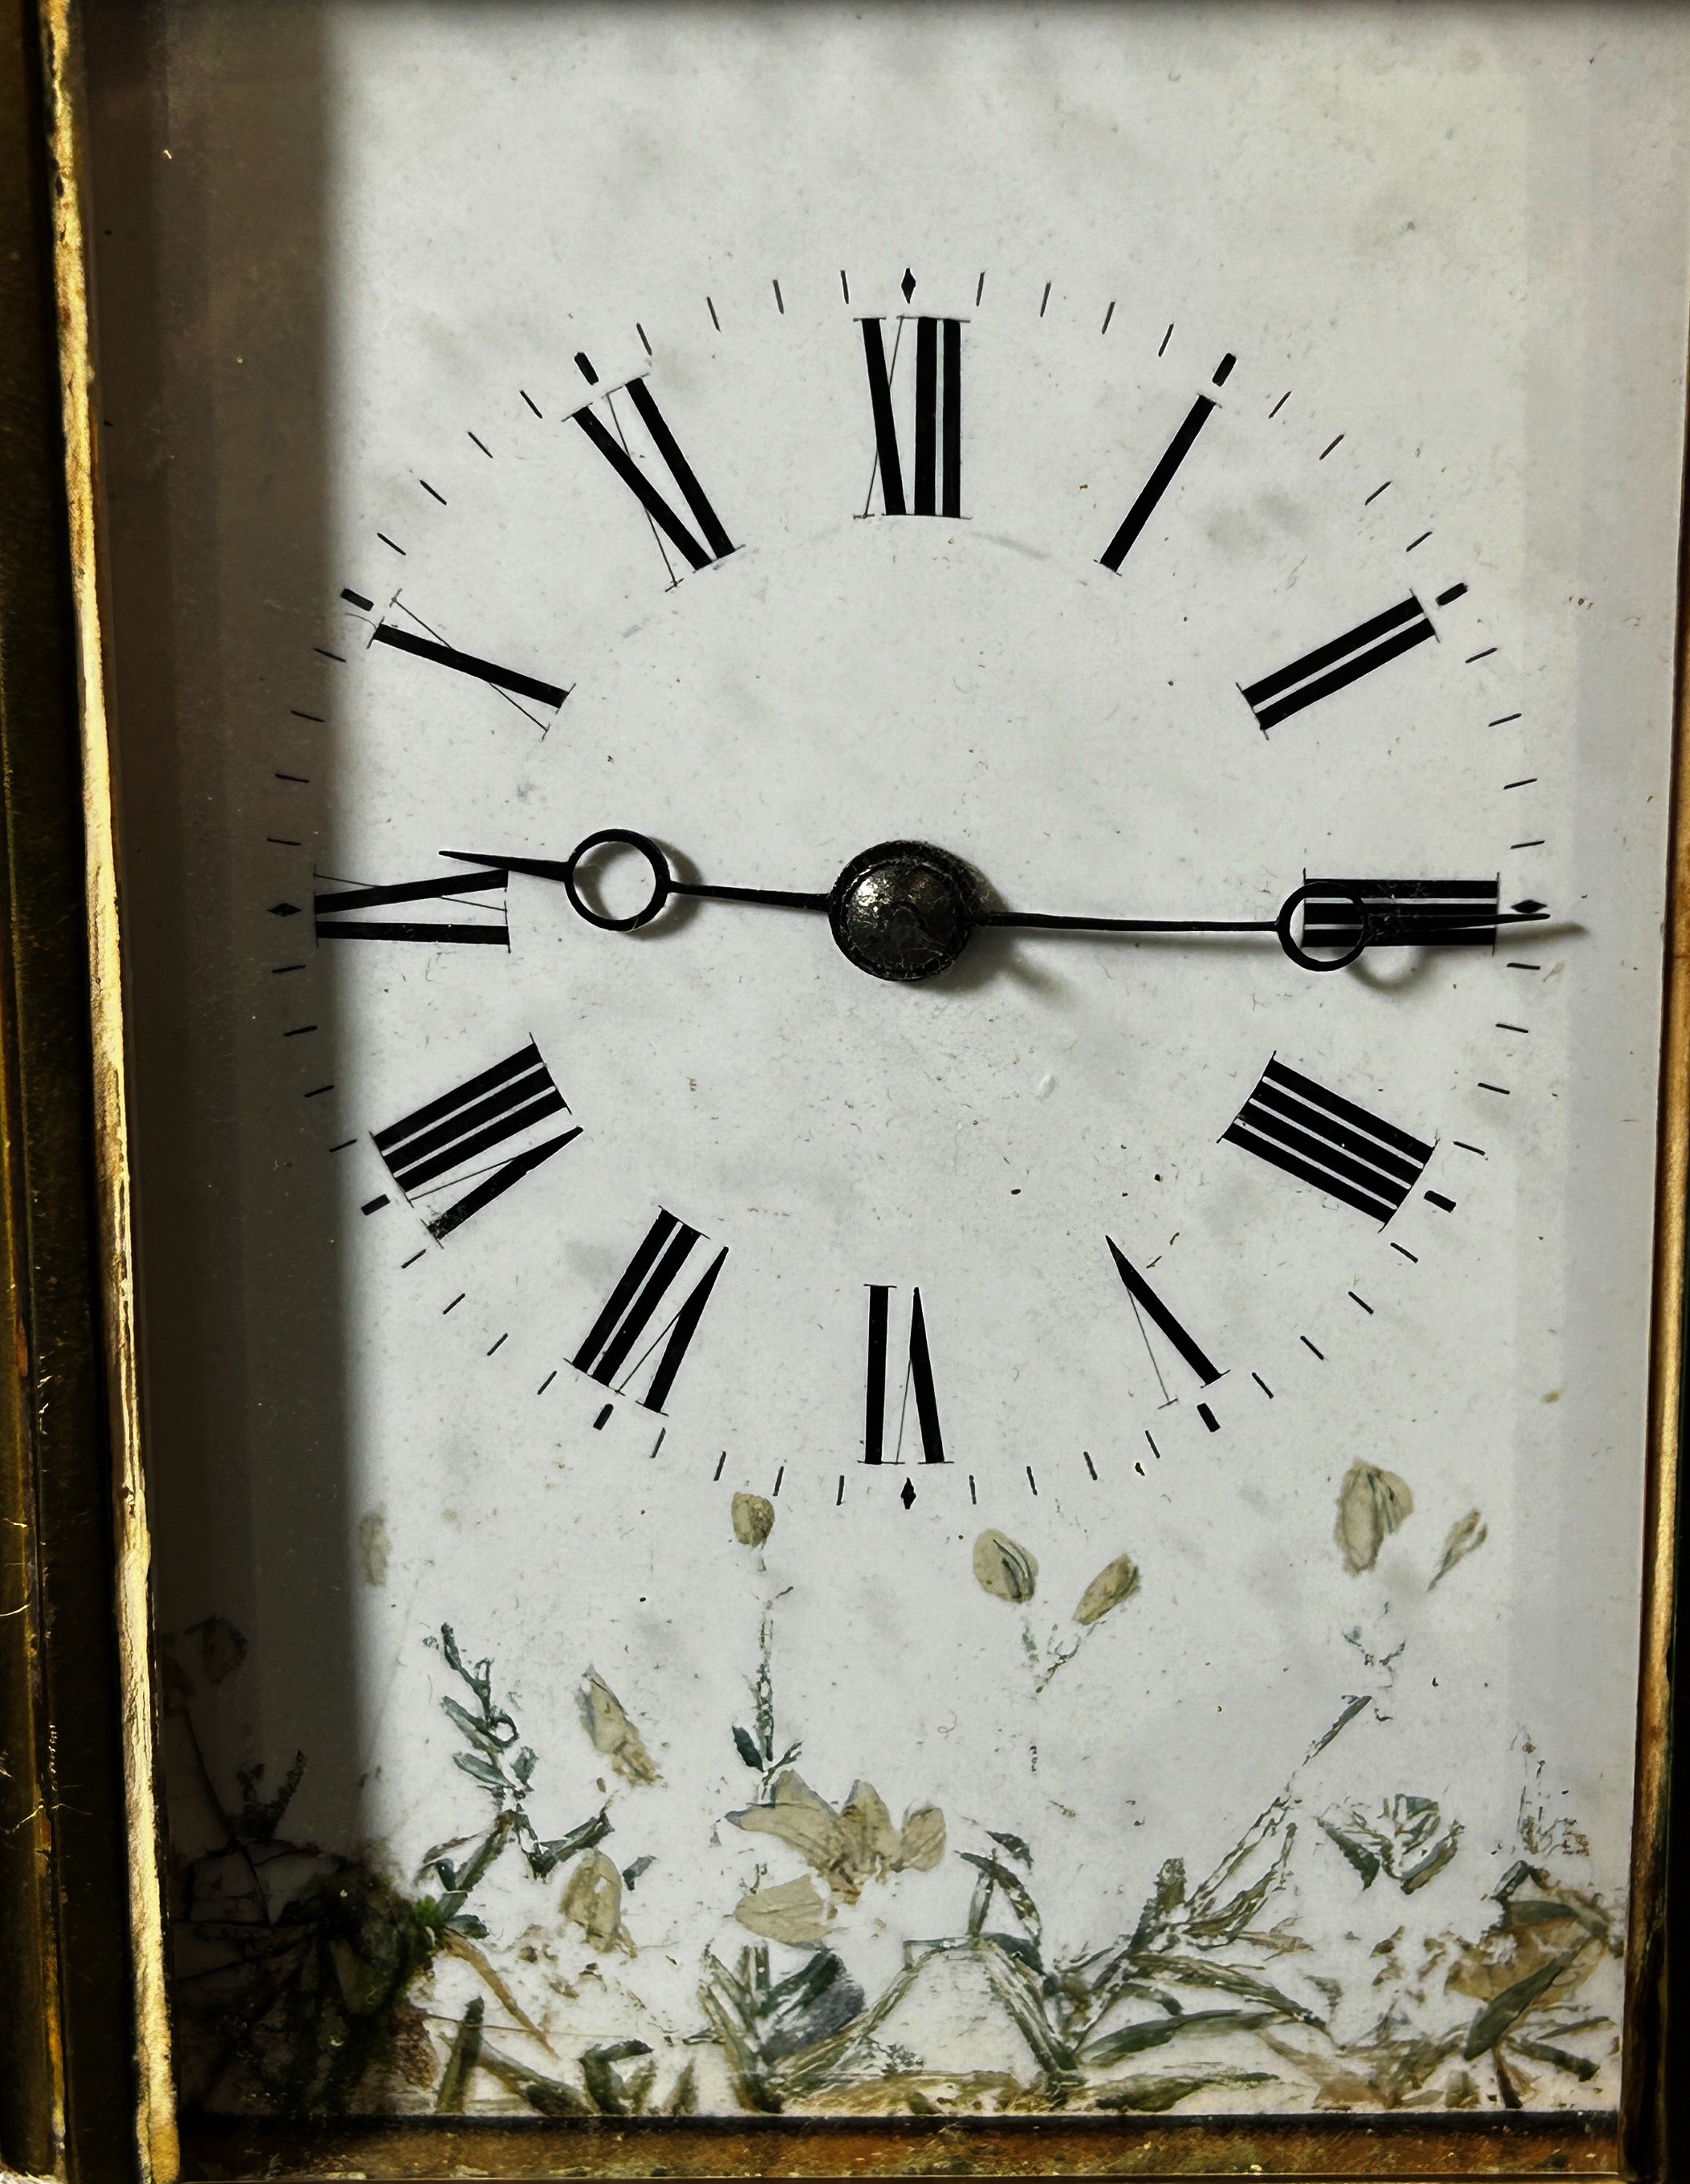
918 1381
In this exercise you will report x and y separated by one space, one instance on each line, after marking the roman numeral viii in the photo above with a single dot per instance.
918 1381
344 914
1344 660
608 1354
1298 1126
440 1148
608 437
1147 1304
935 477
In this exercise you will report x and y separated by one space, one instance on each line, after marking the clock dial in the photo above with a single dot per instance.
887 1220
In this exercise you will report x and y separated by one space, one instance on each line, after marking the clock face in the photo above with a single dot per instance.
928 904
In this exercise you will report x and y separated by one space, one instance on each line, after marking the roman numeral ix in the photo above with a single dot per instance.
936 475
611 443
1344 660
1146 1304
440 1148
1162 476
918 1381
608 1354
1298 1126
344 914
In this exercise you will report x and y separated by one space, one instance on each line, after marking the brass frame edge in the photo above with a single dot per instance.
157 2148
1644 2119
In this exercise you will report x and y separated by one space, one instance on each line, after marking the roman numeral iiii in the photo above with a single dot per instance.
1297 1125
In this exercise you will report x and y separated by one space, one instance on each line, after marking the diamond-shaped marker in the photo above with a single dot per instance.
908 284
284 910
909 1493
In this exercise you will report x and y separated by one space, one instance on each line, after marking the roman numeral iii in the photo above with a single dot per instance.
1400 913
1345 659
714 544
441 1148
609 1355
344 914
918 1382
936 475
1298 1126
1146 1304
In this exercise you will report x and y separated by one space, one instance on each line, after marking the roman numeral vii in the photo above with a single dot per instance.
650 1293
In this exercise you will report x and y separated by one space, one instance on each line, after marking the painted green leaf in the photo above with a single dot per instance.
1153 2096
746 1745
1496 2017
479 1770
1156 2032
1365 1863
1014 1846
631 1874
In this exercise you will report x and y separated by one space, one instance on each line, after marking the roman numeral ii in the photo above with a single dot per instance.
1298 1126
918 1381
439 1148
1333 667
641 1294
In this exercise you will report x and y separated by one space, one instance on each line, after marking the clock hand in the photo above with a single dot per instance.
905 911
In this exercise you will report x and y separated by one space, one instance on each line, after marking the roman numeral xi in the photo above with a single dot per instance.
918 1381
1333 667
1298 1126
709 542
641 1297
441 1149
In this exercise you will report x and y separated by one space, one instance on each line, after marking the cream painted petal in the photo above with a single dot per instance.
1116 1582
612 1732
1372 1504
796 1912
924 1837
592 1900
1006 1570
754 1519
